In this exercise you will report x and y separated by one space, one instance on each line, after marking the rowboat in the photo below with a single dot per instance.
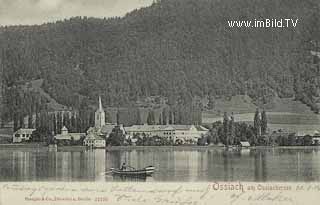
147 171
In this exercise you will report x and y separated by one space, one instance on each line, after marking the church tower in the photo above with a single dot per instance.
99 116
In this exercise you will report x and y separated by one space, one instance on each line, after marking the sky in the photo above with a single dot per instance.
29 12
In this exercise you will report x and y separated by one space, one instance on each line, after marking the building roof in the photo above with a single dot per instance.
24 131
148 128
107 128
152 128
308 132
76 136
62 137
182 127
201 128
93 137
245 144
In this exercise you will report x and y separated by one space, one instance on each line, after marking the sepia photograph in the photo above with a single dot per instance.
159 91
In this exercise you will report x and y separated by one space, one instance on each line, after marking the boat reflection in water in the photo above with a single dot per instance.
119 178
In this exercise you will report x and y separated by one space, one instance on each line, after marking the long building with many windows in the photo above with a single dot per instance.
185 133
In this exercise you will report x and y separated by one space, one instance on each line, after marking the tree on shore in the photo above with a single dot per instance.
160 119
225 128
231 130
138 117
210 102
150 118
257 123
264 123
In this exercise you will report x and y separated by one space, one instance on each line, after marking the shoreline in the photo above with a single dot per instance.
207 147
123 148
20 147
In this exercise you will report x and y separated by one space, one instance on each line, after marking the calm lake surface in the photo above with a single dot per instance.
203 165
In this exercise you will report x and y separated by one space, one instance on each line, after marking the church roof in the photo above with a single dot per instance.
107 128
100 105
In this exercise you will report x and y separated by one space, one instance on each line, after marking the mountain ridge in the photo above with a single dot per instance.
176 49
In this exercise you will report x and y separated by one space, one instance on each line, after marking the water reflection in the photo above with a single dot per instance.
263 165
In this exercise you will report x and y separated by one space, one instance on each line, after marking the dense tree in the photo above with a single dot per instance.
116 137
226 128
307 140
211 102
15 122
66 120
59 122
231 130
54 121
257 123
30 120
138 117
160 119
151 118
264 122
165 118
174 55
73 123
37 123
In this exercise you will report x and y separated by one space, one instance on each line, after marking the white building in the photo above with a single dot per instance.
93 141
65 135
21 135
184 133
189 132
151 130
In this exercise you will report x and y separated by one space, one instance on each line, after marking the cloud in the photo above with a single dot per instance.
17 12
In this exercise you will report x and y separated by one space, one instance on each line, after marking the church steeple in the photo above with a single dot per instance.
100 104
100 120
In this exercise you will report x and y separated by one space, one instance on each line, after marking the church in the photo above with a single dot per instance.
95 137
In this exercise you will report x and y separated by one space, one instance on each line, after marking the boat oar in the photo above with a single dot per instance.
104 173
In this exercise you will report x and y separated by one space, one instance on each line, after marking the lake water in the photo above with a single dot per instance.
190 165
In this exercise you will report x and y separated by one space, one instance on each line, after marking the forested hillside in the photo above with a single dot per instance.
175 48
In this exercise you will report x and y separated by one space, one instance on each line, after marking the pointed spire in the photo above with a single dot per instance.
100 104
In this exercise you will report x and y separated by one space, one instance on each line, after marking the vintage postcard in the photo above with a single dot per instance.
178 102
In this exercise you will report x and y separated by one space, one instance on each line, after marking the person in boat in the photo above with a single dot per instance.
124 166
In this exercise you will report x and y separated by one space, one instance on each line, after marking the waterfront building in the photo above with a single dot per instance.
22 135
93 140
183 133
244 144
67 136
